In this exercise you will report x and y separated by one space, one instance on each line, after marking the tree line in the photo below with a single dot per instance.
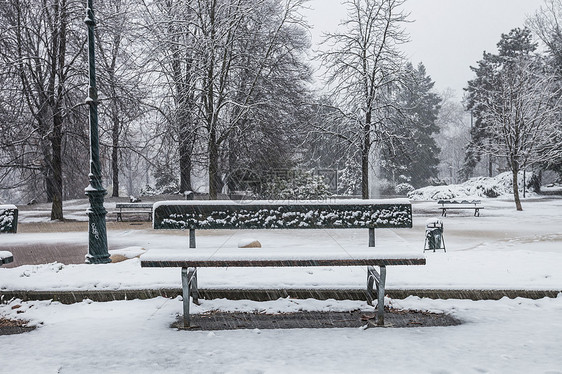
222 92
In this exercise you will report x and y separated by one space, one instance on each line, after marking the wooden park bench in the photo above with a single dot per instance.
460 204
345 214
6 257
133 209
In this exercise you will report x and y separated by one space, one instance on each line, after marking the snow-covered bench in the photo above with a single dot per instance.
6 257
460 204
367 214
8 218
133 209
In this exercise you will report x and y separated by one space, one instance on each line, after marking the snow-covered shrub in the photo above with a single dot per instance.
403 188
300 186
490 191
147 190
159 190
349 181
166 182
500 185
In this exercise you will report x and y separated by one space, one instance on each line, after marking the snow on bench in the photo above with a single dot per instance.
460 204
343 214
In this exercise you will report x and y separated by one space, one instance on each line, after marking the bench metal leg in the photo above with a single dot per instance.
380 303
193 290
373 279
189 286
371 236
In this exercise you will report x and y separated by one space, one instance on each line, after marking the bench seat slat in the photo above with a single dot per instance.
277 257
135 211
283 263
461 207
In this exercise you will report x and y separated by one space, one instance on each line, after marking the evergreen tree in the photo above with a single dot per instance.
481 90
414 158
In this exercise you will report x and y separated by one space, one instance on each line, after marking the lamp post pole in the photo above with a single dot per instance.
97 232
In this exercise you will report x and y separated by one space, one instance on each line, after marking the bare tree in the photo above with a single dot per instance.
241 43
363 63
518 112
40 49
546 24
120 69
454 122
172 32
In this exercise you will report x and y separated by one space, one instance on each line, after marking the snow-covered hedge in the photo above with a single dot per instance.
8 218
500 185
284 217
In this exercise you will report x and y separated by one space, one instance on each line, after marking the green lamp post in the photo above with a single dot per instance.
97 232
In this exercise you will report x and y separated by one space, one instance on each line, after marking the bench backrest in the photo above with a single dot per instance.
133 205
459 202
339 214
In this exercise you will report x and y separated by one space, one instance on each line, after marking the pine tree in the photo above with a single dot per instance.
414 159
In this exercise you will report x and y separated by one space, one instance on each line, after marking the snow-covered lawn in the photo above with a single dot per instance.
501 249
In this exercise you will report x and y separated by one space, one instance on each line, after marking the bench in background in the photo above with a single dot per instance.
345 214
133 209
460 204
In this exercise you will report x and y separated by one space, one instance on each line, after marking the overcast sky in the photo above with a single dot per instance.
448 36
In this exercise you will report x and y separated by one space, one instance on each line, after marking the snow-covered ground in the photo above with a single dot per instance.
500 249
506 336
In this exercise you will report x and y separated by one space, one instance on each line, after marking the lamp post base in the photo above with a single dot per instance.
97 231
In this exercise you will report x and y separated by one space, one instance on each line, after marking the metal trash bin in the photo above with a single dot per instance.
434 235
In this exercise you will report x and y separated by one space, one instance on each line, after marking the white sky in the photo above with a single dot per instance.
448 36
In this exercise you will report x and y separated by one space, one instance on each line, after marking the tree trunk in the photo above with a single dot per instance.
366 149
185 149
185 171
48 175
115 153
56 166
365 173
213 166
516 190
